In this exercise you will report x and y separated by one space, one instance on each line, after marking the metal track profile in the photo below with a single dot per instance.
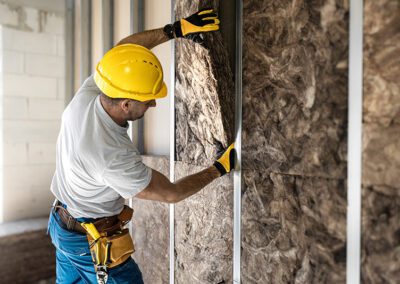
85 39
172 158
69 50
237 178
137 25
354 149
107 22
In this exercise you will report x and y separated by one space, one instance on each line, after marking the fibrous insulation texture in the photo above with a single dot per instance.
204 96
294 141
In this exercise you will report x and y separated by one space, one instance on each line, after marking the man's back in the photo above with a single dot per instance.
97 164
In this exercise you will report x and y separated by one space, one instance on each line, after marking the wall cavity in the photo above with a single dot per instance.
150 231
294 141
381 146
204 97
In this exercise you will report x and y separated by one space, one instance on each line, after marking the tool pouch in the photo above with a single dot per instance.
111 246
112 250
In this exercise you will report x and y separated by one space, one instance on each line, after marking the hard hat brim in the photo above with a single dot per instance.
111 91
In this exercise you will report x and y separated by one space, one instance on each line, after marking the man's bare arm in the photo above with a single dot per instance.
202 21
148 39
161 189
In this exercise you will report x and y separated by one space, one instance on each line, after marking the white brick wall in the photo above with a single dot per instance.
53 24
28 191
13 62
45 109
42 153
32 97
15 154
44 65
32 20
21 131
30 86
29 42
8 16
15 108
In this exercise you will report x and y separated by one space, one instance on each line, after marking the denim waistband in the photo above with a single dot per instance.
82 219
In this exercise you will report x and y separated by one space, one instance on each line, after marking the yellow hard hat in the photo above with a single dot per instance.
130 71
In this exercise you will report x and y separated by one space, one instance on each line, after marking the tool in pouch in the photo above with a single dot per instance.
111 246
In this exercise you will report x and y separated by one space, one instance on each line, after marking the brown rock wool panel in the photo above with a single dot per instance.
294 141
381 147
151 231
295 86
204 97
293 229
203 232
382 62
204 93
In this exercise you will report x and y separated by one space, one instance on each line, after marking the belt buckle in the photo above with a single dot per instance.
71 223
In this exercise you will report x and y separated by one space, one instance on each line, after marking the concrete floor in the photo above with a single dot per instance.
48 281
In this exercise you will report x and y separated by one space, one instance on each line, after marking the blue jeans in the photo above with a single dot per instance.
74 262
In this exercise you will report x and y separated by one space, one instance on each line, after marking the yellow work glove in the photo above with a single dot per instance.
202 21
227 161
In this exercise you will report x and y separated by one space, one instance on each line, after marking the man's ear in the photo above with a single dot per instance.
124 104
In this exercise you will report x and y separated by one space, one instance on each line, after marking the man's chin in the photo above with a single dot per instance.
136 118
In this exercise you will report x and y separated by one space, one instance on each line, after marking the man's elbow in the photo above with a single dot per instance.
173 198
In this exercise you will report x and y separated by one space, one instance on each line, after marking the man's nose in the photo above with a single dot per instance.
153 103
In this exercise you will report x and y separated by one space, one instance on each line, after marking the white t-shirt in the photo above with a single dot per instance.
97 166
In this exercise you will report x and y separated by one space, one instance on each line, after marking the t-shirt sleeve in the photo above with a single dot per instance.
88 89
127 174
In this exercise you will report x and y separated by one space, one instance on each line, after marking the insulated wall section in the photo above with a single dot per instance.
294 141
204 107
151 230
381 143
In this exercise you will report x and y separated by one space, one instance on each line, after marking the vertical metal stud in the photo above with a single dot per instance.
354 163
107 22
137 25
172 158
86 42
237 178
69 49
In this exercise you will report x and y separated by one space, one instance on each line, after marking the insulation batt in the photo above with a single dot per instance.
381 144
151 231
204 106
294 141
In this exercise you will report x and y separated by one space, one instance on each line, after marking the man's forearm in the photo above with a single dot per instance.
191 184
148 39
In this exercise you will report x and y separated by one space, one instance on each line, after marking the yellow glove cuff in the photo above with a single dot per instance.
227 161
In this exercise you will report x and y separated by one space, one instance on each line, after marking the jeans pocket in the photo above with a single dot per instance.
68 242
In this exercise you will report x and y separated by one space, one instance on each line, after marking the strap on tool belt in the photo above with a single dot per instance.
111 246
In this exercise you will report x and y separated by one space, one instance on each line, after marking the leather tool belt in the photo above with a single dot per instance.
110 244
103 224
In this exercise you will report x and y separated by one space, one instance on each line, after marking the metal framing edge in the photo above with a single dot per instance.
69 49
237 178
172 157
136 127
107 22
354 164
86 36
137 25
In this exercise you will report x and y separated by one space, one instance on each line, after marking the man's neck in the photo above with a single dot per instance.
114 116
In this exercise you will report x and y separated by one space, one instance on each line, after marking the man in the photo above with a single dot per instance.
98 167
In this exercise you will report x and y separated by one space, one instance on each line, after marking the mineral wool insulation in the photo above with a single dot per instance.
381 151
204 98
294 143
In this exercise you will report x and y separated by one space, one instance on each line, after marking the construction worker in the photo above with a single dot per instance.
98 167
